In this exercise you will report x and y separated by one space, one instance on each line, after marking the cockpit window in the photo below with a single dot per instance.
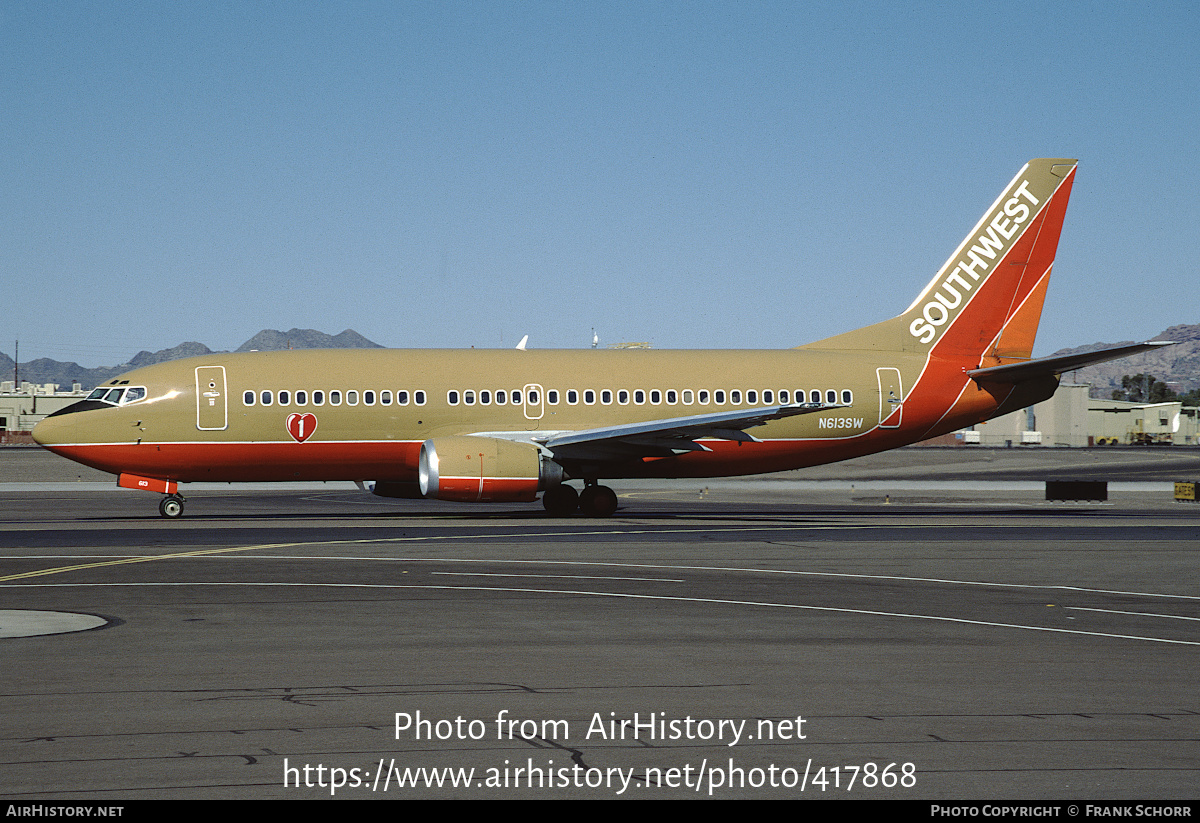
120 396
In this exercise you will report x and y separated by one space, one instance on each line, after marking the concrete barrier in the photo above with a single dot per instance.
1076 490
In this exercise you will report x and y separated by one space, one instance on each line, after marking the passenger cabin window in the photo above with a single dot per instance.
702 397
735 396
247 398
552 397
419 398
368 398
655 396
485 398
572 396
452 397
265 398
589 397
469 398
283 398
687 397
752 397
301 398
606 396
385 397
318 398
402 398
639 396
335 398
847 396
352 398
501 397
831 396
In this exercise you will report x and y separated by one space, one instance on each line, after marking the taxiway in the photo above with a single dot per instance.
1003 646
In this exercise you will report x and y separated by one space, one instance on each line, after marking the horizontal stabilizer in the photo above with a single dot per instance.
1046 366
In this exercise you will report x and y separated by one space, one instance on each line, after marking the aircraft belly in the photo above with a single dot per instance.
257 462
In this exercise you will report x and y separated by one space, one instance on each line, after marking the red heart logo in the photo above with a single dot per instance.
301 426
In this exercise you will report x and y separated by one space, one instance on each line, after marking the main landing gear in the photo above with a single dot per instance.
171 506
594 501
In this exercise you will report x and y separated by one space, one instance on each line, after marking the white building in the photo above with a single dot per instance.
1071 418
22 407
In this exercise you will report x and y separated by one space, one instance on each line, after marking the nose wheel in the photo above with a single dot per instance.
171 506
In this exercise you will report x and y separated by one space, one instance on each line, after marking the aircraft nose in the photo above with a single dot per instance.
51 431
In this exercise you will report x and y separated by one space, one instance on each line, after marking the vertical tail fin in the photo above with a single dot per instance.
985 302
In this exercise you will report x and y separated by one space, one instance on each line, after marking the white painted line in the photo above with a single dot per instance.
623 595
1135 614
556 576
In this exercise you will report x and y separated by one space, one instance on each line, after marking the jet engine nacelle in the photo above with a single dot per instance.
474 469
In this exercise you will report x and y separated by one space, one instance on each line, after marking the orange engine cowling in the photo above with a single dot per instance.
480 469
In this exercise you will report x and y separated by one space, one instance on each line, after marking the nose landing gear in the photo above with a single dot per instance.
171 506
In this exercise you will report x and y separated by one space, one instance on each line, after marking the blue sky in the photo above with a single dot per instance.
449 174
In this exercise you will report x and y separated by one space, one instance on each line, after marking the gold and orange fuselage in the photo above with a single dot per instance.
366 414
167 436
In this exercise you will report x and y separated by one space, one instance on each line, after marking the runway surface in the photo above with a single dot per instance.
732 639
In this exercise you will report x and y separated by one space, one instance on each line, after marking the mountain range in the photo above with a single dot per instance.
45 370
1178 365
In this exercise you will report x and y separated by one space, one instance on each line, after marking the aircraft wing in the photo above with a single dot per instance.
670 436
1045 366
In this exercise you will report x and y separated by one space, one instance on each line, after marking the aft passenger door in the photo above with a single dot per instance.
211 405
891 398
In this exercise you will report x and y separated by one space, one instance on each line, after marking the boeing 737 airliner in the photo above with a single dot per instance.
506 425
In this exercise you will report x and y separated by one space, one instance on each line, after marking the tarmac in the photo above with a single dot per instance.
921 624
